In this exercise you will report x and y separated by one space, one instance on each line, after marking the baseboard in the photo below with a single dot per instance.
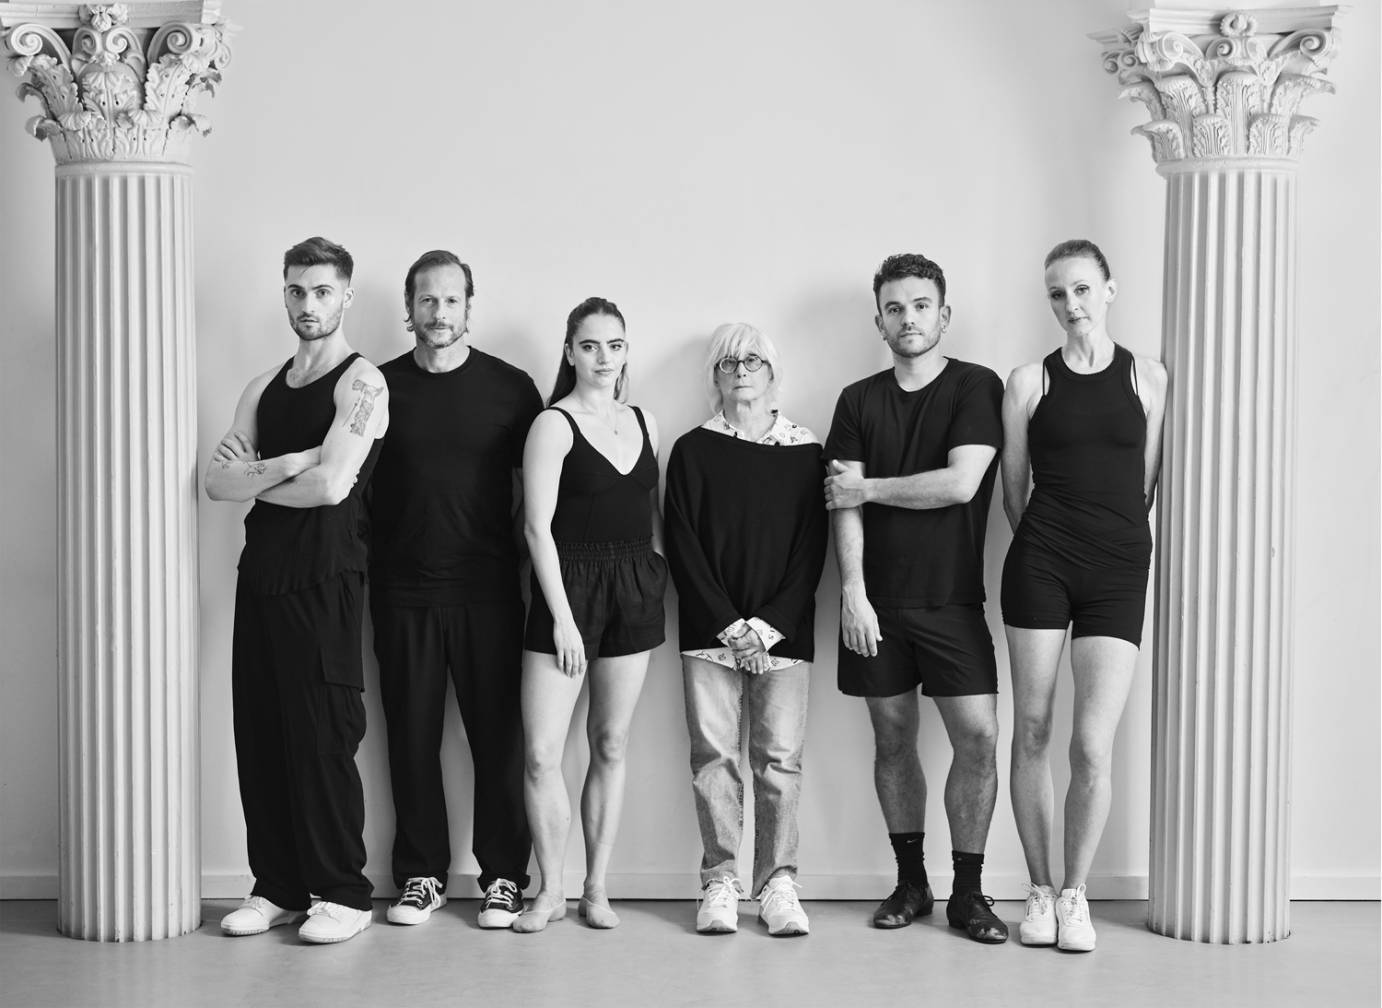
833 887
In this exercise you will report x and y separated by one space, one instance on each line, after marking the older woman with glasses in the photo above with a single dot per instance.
746 534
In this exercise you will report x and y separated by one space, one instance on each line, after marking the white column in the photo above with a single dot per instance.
116 91
1223 91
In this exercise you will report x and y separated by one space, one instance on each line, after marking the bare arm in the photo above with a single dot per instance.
235 471
655 504
362 414
858 620
1152 384
1019 399
957 483
549 441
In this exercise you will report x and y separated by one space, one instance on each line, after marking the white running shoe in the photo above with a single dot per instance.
420 896
255 916
1039 926
1072 917
328 923
779 909
718 912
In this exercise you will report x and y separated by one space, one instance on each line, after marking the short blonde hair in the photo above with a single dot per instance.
739 339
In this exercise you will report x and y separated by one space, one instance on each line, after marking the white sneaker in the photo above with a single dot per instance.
420 896
1039 926
1072 917
255 916
719 909
779 909
328 923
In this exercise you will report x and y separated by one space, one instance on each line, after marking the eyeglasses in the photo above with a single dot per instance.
729 365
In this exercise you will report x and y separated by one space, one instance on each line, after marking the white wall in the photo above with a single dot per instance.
701 163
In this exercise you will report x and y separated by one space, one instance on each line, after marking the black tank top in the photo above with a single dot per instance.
288 549
1087 439
598 503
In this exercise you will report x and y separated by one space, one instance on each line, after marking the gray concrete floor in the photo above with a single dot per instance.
656 959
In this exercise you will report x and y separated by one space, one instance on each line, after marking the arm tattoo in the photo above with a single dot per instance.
255 468
364 406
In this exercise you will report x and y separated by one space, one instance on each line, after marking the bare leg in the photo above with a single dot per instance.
1103 668
971 787
615 684
897 775
1035 657
548 698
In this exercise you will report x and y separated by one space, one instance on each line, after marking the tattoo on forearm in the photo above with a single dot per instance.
255 468
364 406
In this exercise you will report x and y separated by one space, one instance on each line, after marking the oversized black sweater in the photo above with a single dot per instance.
746 533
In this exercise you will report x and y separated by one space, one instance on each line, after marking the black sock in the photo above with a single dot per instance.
911 861
968 869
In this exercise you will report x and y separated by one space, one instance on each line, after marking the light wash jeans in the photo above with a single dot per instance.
722 705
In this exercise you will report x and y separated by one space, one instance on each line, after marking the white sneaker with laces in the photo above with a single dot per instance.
255 916
1039 926
420 896
328 923
779 909
1073 924
718 912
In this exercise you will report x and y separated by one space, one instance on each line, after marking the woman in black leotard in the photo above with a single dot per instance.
1082 447
590 494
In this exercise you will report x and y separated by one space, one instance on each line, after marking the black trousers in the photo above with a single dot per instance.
296 680
480 644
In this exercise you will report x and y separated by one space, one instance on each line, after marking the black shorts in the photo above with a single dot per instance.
1044 591
615 591
947 650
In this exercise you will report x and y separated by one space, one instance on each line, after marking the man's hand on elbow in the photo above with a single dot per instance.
844 487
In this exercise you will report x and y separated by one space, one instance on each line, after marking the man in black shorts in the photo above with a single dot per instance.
444 593
913 454
302 445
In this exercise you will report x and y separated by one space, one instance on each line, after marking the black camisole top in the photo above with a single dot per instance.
598 503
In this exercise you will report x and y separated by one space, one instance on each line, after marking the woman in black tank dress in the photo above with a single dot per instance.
1082 445
590 492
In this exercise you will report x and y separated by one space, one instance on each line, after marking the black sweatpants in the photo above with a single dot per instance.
296 680
481 645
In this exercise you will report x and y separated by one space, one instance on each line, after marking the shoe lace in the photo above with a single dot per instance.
1076 908
260 904
1038 901
502 893
419 892
333 910
780 895
722 893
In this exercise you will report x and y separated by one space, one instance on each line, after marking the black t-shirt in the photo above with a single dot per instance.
919 558
441 505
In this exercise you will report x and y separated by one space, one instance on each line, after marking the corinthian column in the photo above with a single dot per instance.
116 85
1224 91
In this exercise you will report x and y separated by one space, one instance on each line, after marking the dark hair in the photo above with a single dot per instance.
908 264
318 251
566 371
1077 247
437 257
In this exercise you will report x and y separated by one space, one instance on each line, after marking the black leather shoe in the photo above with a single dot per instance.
970 911
906 902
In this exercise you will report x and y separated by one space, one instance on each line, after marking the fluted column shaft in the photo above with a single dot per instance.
127 580
1221 738
1224 92
117 89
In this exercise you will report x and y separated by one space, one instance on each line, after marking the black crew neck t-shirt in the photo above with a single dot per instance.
441 504
921 558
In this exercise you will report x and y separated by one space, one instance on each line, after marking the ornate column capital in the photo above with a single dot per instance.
1223 86
117 82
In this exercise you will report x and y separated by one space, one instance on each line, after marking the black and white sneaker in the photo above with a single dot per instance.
419 898
501 905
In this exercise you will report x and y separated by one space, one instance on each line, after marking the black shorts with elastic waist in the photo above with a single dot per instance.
946 650
615 592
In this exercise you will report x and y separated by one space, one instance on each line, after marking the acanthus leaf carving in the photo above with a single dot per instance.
111 92
1228 93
